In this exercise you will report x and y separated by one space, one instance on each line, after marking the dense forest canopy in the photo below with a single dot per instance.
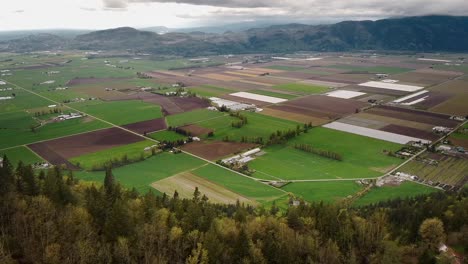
50 217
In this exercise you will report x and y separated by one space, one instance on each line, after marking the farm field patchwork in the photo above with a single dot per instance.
274 94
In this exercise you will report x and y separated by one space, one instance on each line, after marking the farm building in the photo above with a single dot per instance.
6 97
2 83
232 105
441 129
68 117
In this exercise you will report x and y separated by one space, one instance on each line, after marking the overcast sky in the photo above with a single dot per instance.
100 14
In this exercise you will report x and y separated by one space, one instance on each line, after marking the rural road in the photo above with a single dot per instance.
146 138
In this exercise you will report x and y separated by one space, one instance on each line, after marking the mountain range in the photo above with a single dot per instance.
420 34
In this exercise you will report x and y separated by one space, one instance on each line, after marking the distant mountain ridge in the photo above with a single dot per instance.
422 34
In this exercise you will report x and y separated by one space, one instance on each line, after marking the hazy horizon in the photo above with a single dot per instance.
102 14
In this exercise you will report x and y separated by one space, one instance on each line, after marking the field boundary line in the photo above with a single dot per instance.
151 139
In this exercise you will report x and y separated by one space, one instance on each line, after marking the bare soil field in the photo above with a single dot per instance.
302 118
391 120
409 131
370 90
456 105
413 115
195 130
186 182
51 156
147 126
189 103
74 146
422 78
330 106
435 98
217 149
459 142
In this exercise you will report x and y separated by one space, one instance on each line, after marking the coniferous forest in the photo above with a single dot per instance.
50 217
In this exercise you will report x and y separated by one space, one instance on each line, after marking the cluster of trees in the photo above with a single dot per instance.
51 111
280 137
142 75
324 153
168 145
242 119
179 130
52 218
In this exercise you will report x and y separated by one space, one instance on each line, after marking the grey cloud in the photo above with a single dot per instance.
19 11
115 4
318 8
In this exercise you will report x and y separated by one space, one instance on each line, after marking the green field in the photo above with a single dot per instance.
22 100
120 112
373 69
274 94
99 158
363 157
167 135
210 91
406 189
191 117
16 120
20 153
257 126
301 88
323 191
239 184
15 137
141 174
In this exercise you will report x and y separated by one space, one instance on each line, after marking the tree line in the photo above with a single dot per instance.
324 153
50 217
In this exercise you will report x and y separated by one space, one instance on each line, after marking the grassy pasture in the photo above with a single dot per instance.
363 157
120 112
301 88
22 100
191 117
239 184
323 191
210 90
16 120
142 174
99 158
257 126
20 153
380 194
167 135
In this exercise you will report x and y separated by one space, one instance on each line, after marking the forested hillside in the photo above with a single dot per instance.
52 218
420 34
